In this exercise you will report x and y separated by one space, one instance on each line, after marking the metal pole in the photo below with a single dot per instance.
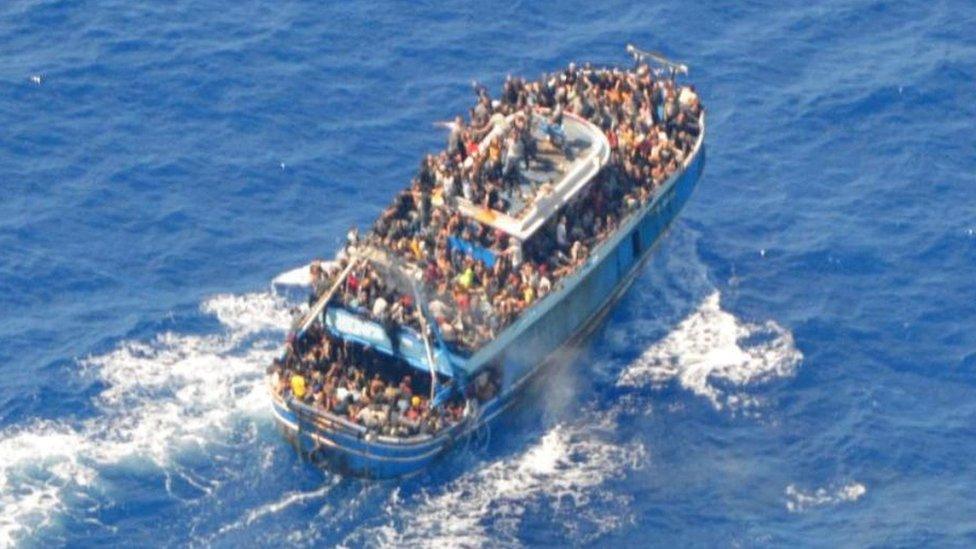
324 300
426 335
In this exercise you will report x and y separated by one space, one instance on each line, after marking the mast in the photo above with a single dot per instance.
643 56
405 275
425 333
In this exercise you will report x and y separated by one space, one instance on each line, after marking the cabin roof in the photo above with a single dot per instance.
551 182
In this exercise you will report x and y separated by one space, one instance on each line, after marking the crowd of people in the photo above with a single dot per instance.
355 383
651 125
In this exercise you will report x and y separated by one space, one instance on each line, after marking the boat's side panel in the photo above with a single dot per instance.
353 452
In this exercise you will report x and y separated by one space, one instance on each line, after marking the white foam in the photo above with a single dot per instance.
162 396
286 501
36 465
565 469
715 355
798 500
248 313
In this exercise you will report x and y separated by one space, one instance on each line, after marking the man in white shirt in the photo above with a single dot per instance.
379 308
515 251
561 237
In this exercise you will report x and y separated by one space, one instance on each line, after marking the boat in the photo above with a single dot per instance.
376 394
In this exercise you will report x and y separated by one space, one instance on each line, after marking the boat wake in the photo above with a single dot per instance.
561 475
286 501
163 400
175 396
716 356
686 337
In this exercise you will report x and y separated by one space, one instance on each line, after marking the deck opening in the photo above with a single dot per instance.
635 243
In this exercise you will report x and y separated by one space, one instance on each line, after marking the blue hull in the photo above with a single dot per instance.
549 332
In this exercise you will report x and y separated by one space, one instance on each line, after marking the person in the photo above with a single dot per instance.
392 329
484 388
513 155
455 142
545 285
314 271
466 279
515 252
380 306
282 383
414 412
372 416
341 405
448 186
481 110
391 394
406 387
562 240
376 386
688 99
553 129
298 386
496 121
578 252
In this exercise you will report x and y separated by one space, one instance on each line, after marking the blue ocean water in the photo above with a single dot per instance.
796 365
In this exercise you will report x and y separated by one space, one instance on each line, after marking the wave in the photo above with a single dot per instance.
716 356
798 500
162 397
564 471
178 393
286 501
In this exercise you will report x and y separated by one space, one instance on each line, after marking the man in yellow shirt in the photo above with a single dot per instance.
298 386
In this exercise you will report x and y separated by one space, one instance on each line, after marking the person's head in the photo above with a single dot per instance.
415 401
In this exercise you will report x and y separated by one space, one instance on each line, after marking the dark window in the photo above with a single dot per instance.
635 242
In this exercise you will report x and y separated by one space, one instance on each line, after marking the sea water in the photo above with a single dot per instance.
794 366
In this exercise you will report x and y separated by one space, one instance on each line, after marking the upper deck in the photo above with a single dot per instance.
553 178
518 171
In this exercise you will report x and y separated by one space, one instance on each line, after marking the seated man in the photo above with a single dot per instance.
372 416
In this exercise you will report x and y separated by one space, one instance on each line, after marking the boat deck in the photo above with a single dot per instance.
553 178
550 165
